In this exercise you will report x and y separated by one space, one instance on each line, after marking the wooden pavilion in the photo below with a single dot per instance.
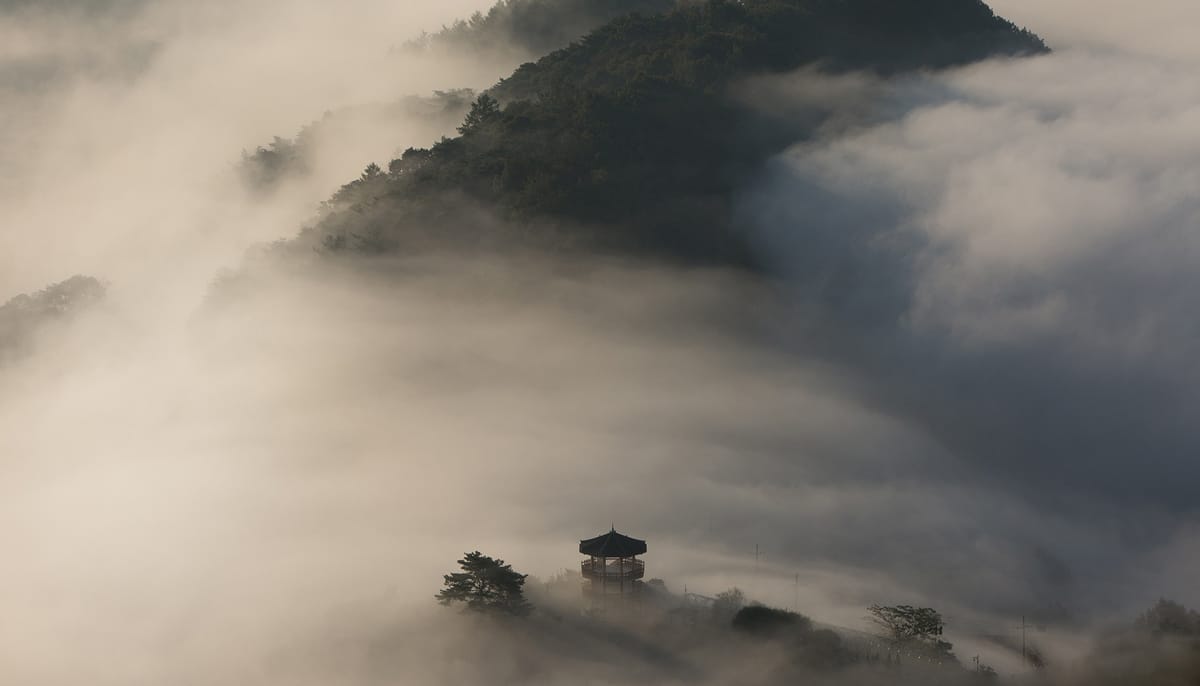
612 567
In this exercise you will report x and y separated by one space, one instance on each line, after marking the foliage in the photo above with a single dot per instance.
24 315
911 625
761 620
485 109
824 649
704 44
532 26
1133 655
1167 617
626 140
268 167
808 647
55 300
486 584
728 603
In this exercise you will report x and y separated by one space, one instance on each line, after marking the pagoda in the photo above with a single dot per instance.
612 569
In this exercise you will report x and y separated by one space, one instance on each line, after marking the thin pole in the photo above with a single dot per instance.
796 598
604 582
1023 656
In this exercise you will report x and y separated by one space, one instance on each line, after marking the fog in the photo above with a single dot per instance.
1159 28
968 386
1008 249
122 123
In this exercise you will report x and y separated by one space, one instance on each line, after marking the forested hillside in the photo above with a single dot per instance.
511 32
268 166
627 140
23 316
532 26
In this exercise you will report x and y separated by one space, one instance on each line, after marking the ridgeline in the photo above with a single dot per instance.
627 141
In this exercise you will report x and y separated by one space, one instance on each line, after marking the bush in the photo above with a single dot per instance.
760 620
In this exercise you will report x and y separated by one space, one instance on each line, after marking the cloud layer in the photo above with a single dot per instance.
971 388
1010 251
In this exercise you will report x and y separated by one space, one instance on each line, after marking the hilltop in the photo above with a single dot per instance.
24 316
628 140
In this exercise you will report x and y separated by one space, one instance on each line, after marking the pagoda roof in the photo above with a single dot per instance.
612 544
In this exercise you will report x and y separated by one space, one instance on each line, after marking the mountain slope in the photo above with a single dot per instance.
511 32
25 315
534 27
627 140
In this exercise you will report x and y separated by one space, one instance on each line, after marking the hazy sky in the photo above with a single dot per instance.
997 416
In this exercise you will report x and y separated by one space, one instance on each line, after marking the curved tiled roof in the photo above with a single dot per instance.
612 544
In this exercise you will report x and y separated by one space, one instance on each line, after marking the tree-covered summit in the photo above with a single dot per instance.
627 140
704 44
532 26
24 316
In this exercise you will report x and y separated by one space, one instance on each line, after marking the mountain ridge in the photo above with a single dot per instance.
626 141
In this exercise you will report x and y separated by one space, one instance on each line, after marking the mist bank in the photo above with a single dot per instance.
321 444
956 375
627 142
529 29
1014 255
123 122
283 484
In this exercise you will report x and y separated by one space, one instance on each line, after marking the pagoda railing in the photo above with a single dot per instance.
613 568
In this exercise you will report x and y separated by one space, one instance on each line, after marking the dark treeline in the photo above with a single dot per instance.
23 316
627 140
716 635
533 27
266 167
512 28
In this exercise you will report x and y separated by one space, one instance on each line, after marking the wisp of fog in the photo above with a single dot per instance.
966 383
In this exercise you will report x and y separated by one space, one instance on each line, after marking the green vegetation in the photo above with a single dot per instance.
264 169
728 603
532 26
486 585
1161 647
809 648
26 314
627 141
1169 618
912 628
761 620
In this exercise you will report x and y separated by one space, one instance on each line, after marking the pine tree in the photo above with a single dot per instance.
486 585
921 626
483 109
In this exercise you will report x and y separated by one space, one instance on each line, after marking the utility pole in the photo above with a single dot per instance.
796 598
1024 658
756 555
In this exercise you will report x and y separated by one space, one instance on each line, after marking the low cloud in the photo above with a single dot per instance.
1007 250
123 125
970 389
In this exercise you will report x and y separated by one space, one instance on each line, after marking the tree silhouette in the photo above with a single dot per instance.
486 584
761 620
908 624
1169 617
626 139
727 603
483 109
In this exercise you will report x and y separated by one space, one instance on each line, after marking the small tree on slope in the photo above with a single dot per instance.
486 585
905 624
